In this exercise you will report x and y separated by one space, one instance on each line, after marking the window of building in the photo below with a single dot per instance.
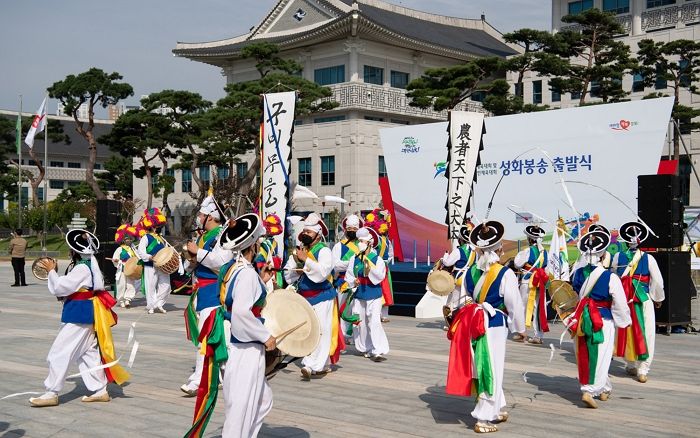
374 75
595 89
73 183
556 94
329 119
328 171
400 122
56 184
222 172
660 83
399 79
330 75
25 197
657 3
171 173
382 167
478 96
73 165
154 181
305 172
56 163
637 82
205 173
33 163
186 181
575 95
241 170
374 118
298 122
98 166
537 91
616 6
40 194
579 6
684 70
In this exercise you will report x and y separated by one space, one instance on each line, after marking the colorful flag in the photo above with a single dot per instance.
18 132
38 124
558 253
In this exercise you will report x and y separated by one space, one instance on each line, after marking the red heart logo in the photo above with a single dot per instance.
624 124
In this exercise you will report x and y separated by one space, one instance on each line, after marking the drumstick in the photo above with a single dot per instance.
285 333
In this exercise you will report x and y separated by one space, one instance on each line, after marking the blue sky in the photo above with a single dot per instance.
45 40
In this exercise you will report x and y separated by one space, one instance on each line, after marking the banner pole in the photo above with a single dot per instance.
19 167
46 171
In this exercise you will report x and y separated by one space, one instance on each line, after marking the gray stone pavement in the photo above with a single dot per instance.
402 397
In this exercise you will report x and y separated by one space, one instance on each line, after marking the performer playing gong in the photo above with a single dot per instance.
126 287
207 259
602 306
480 328
154 283
366 271
644 288
247 395
311 267
86 322
532 262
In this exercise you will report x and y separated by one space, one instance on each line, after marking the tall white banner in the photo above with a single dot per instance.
466 129
276 148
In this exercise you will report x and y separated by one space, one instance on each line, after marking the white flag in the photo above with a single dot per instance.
558 258
38 124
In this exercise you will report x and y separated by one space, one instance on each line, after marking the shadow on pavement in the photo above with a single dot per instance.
447 409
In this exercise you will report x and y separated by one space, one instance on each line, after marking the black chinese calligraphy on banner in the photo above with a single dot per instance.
276 148
465 143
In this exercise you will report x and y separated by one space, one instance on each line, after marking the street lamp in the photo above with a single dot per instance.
342 195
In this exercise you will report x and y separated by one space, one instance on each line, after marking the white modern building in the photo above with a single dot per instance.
660 20
67 163
366 52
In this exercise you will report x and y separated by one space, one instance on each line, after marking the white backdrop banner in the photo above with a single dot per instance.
276 138
530 154
466 129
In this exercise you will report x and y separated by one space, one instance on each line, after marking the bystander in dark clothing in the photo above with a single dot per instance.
18 247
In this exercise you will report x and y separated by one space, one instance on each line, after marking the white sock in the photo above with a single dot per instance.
102 391
48 395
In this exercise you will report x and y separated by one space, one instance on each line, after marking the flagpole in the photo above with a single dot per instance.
19 167
46 171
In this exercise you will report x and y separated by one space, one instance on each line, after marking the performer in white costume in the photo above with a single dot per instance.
366 271
342 252
155 284
479 330
126 287
460 259
247 395
602 307
207 259
644 288
86 313
310 267
532 262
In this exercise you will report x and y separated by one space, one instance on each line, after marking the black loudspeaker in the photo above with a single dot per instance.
107 267
659 204
108 219
678 286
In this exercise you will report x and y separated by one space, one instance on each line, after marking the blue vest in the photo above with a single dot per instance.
207 296
367 291
532 258
464 254
493 296
601 290
228 302
79 311
327 291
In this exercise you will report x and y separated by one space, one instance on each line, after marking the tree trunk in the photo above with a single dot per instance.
90 171
34 182
245 186
164 203
193 168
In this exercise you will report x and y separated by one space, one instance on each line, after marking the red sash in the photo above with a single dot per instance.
309 293
468 324
540 280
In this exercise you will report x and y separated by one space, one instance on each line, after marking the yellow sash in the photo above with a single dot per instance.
532 294
491 276
103 329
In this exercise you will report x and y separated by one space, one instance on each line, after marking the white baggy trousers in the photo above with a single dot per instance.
75 343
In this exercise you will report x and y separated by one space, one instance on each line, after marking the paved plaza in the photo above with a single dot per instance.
402 397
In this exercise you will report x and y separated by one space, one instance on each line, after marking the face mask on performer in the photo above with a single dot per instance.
362 246
351 234
307 239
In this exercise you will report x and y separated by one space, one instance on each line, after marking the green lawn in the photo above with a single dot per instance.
54 242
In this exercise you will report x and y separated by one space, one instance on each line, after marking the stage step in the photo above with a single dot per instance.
409 288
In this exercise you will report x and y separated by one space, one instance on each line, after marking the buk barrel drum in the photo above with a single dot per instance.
167 260
132 268
564 298
439 281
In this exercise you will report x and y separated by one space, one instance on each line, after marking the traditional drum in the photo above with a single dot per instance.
167 260
293 322
39 271
564 298
440 282
132 268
